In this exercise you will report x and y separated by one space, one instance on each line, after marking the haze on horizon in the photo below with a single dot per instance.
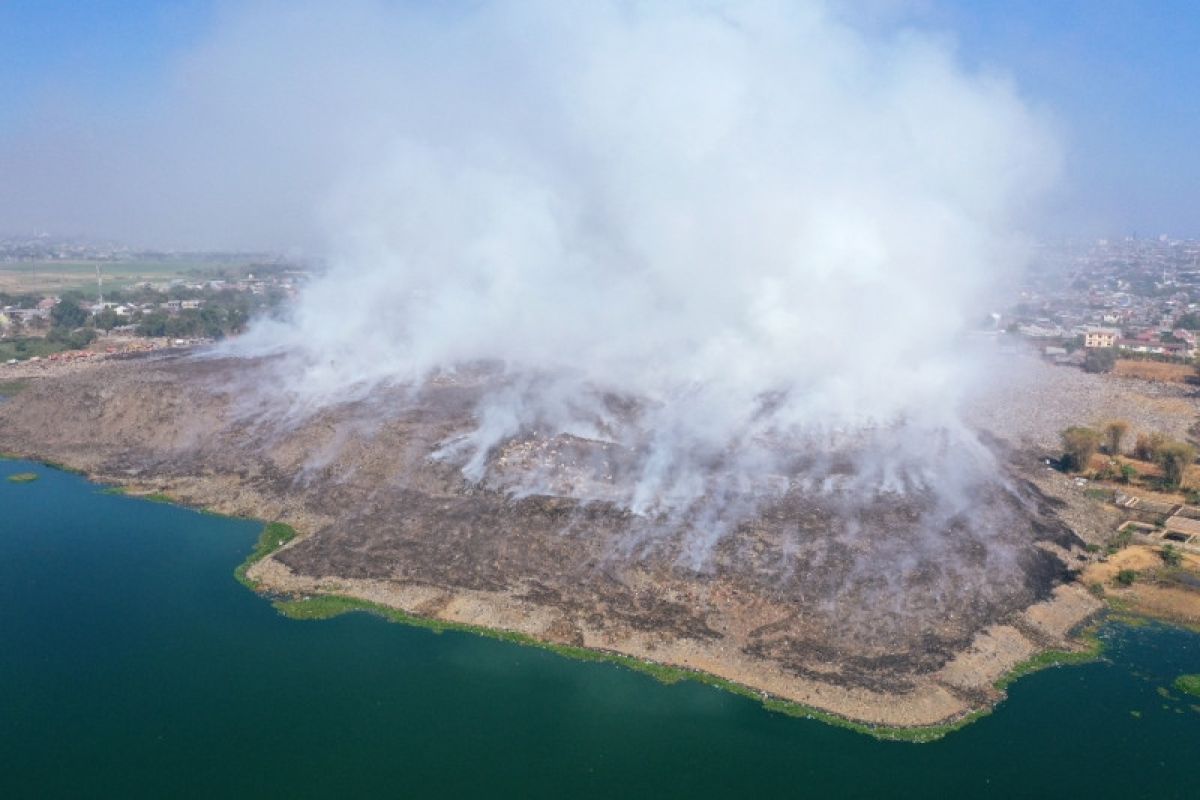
216 125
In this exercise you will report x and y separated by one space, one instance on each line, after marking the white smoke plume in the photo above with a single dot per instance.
698 251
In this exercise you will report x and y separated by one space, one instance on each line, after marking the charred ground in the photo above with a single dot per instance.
879 595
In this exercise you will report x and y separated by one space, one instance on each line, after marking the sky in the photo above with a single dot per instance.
1117 77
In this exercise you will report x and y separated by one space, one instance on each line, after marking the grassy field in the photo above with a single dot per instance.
22 349
50 277
1161 371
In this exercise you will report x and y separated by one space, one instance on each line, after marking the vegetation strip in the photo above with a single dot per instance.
1189 684
1055 658
274 536
327 606
63 468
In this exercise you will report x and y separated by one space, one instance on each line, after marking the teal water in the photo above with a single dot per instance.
133 665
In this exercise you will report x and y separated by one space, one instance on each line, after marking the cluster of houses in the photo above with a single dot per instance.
27 316
33 316
1164 339
39 315
131 309
1134 295
1180 343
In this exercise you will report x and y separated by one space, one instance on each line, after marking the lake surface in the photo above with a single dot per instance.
133 665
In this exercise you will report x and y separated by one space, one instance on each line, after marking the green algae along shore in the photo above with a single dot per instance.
318 604
276 535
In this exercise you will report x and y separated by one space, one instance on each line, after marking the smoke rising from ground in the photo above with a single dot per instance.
728 240
730 247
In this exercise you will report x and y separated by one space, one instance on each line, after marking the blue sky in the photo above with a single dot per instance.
1121 77
110 50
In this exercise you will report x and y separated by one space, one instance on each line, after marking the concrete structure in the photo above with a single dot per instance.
1101 337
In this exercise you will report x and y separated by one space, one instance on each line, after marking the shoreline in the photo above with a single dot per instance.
304 598
998 655
970 685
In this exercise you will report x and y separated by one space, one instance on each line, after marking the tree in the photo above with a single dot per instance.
67 314
1175 458
1100 359
81 338
1147 446
153 324
1114 432
210 321
73 340
1189 321
105 320
1126 577
1079 445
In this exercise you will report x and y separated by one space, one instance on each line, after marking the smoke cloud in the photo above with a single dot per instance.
700 252
728 240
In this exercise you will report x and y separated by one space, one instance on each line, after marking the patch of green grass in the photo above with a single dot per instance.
153 497
274 536
22 349
1098 494
10 388
51 277
1121 540
1054 658
63 468
1127 577
1121 613
1189 684
23 477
